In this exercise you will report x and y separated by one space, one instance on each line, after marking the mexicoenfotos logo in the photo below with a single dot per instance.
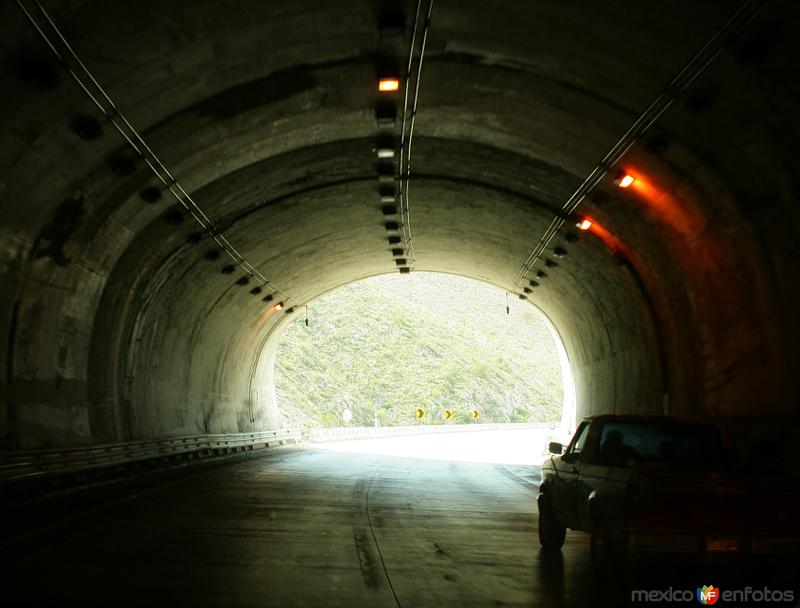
708 595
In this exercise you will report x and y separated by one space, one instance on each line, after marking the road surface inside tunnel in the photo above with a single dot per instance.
304 526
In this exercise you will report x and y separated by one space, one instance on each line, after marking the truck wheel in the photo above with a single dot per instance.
609 559
551 531
601 554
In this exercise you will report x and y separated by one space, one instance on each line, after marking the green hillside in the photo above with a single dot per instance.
393 343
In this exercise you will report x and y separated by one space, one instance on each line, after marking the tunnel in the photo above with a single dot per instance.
179 179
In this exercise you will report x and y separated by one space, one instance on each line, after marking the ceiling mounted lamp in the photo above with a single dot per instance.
388 85
584 224
385 153
385 115
623 180
278 306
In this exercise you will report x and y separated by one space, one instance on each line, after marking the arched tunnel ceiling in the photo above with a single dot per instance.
118 325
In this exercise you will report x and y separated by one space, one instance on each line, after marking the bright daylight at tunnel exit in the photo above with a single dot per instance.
425 354
399 303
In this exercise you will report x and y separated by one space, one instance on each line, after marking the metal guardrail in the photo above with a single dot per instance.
16 465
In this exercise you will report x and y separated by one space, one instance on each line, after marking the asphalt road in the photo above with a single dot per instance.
302 527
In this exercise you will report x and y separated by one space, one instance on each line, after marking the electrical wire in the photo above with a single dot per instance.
699 62
114 115
405 146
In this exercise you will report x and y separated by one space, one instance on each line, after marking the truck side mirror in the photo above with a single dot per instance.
555 447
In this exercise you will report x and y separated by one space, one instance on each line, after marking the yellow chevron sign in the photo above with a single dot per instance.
475 414
420 413
447 414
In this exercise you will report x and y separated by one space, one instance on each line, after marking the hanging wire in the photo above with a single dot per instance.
405 142
740 19
67 57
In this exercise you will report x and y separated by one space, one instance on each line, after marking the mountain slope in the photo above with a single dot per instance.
390 344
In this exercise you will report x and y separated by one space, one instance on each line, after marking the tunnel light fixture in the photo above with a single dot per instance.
151 194
623 180
279 306
385 153
584 224
392 34
388 85
385 115
87 128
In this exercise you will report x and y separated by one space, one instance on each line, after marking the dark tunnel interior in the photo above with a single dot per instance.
144 286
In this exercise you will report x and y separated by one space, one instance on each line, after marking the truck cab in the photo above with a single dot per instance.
656 484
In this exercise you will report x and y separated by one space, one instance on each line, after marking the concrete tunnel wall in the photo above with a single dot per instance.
116 324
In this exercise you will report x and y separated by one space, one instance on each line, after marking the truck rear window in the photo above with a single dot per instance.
623 442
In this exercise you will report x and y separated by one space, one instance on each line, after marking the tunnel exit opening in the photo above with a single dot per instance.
420 353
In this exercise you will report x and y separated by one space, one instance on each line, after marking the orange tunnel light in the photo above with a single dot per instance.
278 306
387 85
624 180
584 224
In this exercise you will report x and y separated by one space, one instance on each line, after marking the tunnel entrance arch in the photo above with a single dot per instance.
435 344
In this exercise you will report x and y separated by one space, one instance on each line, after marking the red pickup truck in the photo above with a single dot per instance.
660 485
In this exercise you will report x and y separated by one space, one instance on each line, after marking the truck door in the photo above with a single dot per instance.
567 467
